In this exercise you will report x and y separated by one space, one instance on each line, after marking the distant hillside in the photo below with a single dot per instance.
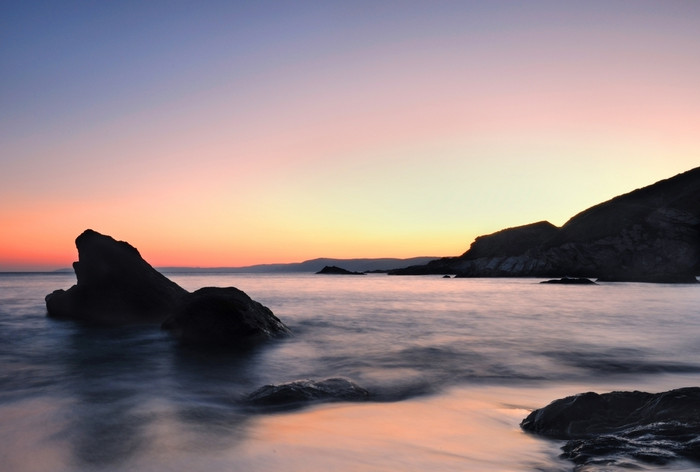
311 266
651 234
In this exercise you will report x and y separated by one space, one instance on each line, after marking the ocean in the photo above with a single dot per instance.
452 366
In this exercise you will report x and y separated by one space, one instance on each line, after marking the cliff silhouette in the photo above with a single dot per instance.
651 234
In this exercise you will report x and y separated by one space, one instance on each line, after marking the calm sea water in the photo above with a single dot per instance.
454 366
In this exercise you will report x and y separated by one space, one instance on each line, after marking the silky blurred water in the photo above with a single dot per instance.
453 365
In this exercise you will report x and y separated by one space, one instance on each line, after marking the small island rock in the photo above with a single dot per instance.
338 271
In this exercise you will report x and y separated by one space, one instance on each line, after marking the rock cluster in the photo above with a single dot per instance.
115 286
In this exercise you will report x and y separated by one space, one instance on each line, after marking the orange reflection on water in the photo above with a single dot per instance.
25 430
463 430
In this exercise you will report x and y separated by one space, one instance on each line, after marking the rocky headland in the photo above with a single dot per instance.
649 235
116 286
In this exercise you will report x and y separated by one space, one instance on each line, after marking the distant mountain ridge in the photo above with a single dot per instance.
651 234
312 266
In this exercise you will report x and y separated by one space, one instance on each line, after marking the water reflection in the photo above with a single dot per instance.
463 430
32 433
105 370
615 361
126 383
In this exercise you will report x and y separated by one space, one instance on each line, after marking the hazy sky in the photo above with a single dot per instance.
232 133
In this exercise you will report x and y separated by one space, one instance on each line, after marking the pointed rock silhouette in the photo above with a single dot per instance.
114 286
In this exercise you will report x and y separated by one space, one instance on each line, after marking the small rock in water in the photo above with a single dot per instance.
294 394
570 281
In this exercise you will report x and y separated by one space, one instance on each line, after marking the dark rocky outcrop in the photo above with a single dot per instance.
648 235
570 281
512 241
335 270
114 286
653 427
300 392
214 316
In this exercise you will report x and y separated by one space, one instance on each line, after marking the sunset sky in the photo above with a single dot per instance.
235 133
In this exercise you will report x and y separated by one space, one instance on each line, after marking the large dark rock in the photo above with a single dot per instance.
300 392
114 286
648 235
650 427
214 316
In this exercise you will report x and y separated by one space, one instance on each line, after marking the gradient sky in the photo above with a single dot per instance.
234 133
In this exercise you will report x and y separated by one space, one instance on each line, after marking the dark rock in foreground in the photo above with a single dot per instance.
300 392
649 235
114 286
335 270
117 287
570 281
649 427
213 316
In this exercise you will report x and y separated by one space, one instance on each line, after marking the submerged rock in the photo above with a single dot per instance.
570 281
650 427
335 270
114 286
294 394
214 316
